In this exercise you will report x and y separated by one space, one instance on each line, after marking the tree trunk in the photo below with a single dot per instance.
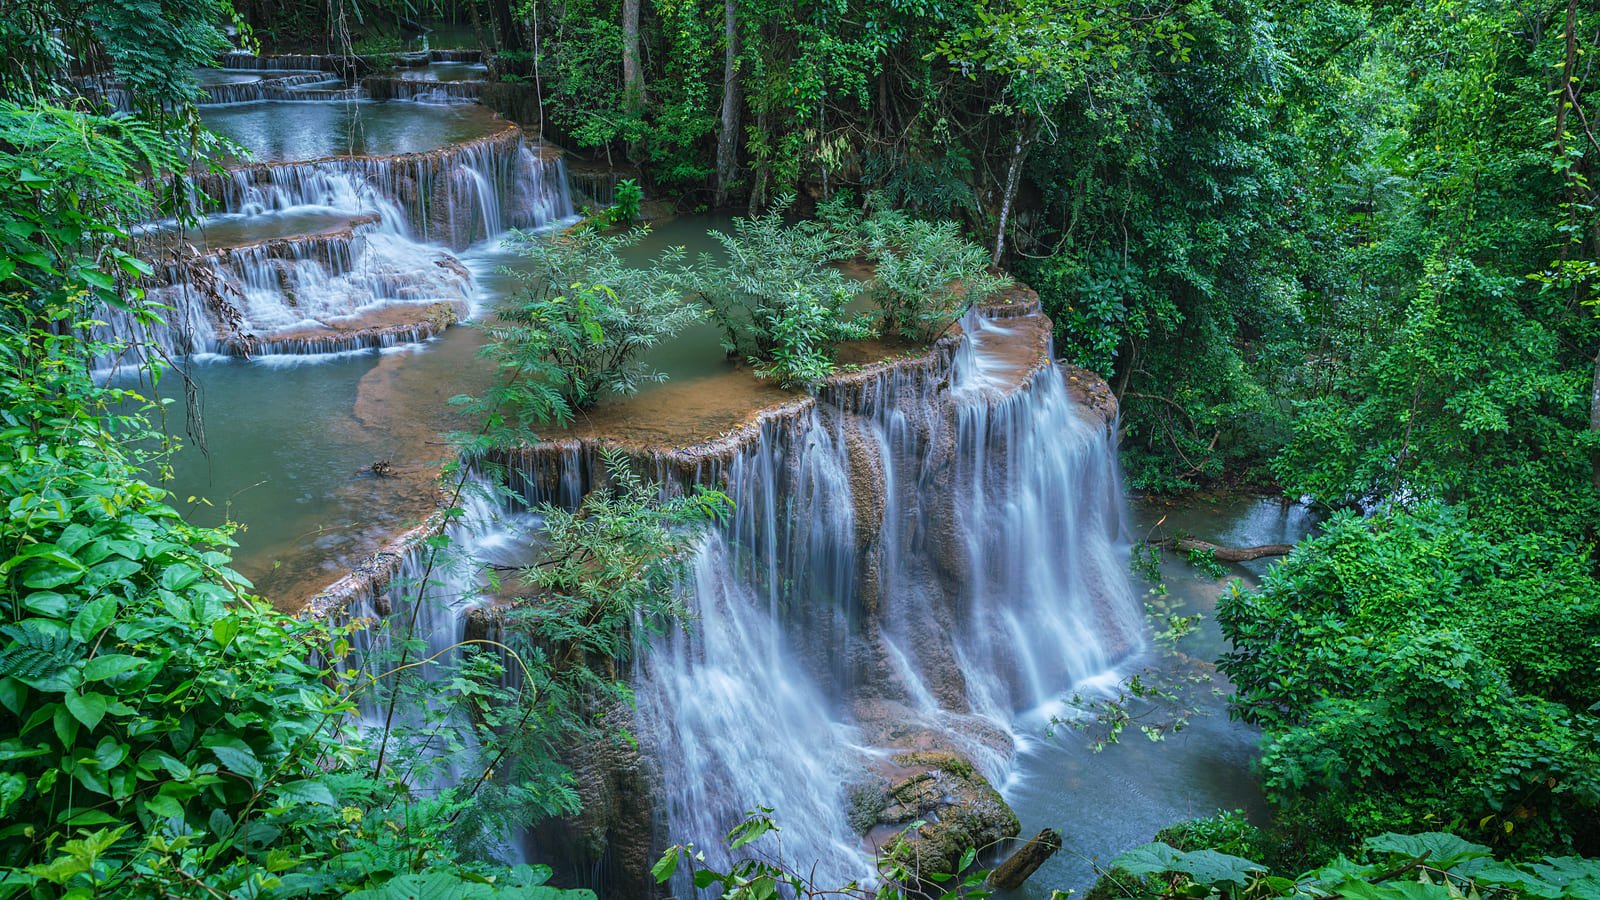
505 26
758 187
1594 421
1009 875
1019 152
632 70
732 104
1225 554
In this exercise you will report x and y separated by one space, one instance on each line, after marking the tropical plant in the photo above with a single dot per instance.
780 304
573 331
167 733
770 875
927 275
624 208
1409 669
1423 866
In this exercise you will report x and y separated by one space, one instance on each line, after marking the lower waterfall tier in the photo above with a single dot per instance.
927 550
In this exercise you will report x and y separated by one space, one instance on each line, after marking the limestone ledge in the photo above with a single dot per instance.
704 458
322 242
216 184
388 326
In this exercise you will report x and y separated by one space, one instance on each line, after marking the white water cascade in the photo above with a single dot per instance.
340 254
915 565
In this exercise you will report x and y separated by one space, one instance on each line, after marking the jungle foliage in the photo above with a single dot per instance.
168 734
1346 248
1422 866
582 315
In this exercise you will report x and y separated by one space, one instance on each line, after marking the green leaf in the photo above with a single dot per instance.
1441 850
224 630
47 603
93 618
53 570
240 759
12 695
1149 859
165 806
306 791
87 708
110 753
666 866
102 667
1211 867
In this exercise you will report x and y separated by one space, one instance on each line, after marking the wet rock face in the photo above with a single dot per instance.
1092 393
959 807
609 845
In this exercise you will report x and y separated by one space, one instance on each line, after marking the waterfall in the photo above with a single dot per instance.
423 192
918 559
922 558
380 283
300 86
429 600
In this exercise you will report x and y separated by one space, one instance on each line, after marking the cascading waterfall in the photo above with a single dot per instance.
917 561
316 294
941 556
429 600
426 191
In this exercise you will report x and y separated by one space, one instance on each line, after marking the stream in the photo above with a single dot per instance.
922 564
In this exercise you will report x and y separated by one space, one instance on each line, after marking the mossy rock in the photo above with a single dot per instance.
968 813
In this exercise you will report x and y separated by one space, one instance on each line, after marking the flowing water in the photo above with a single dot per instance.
910 565
276 131
929 557
1108 802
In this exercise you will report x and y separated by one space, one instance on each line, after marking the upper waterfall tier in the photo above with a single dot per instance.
456 194
273 132
323 249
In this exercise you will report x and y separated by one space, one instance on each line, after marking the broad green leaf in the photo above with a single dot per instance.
103 667
93 618
239 759
87 708
1149 859
666 865
1442 850
305 791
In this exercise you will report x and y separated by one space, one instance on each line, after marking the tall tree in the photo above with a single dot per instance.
632 66
732 104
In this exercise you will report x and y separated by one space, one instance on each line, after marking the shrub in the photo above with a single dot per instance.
582 316
1410 671
780 304
927 274
166 733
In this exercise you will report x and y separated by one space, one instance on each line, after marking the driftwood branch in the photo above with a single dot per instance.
1224 554
1010 874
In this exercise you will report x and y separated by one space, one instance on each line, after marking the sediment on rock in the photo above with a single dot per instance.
959 807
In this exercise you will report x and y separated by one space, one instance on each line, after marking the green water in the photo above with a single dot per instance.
1108 802
444 72
293 130
289 437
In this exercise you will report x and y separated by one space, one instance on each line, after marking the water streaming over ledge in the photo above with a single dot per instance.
382 274
909 567
919 558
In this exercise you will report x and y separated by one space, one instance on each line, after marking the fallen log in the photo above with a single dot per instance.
1224 554
1010 874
